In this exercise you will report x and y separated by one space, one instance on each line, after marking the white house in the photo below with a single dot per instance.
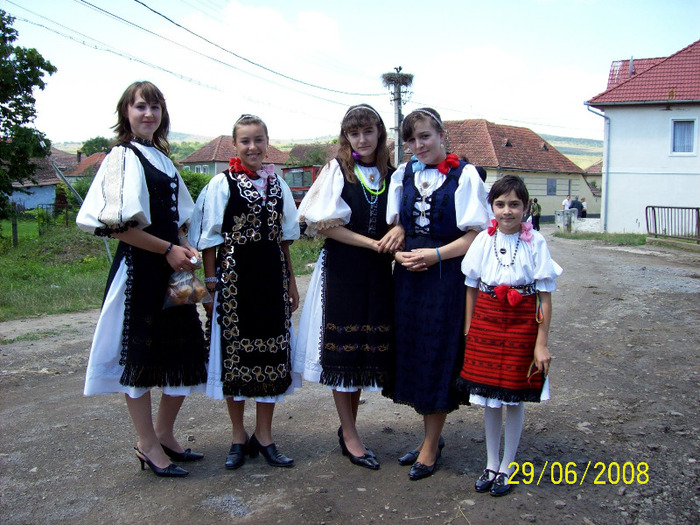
651 109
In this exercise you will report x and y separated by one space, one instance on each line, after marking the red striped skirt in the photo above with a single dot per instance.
499 350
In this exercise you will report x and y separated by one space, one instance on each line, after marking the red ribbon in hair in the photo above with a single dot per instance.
451 161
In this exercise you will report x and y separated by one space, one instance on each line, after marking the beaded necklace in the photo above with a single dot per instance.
366 189
495 251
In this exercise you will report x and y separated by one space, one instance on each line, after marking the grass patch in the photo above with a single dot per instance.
65 270
33 336
620 239
303 252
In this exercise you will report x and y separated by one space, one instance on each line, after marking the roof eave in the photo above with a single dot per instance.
641 103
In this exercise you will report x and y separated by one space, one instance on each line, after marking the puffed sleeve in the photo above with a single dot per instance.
208 214
290 214
546 270
118 196
323 207
393 206
470 201
474 260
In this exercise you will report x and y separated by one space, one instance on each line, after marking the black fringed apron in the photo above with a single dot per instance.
357 338
253 309
159 347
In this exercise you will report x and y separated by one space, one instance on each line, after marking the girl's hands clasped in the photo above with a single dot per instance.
418 260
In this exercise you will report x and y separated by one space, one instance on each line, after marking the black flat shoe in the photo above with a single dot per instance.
182 457
420 471
171 471
411 457
270 453
500 486
367 460
236 454
483 484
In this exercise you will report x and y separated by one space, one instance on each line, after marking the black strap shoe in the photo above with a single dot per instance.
187 455
500 486
411 457
483 484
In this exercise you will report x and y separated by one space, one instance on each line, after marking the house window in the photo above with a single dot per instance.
551 186
198 169
205 169
683 136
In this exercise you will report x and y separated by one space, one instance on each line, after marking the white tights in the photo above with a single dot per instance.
493 421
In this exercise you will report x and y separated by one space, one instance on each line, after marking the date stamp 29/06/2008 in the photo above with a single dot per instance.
572 473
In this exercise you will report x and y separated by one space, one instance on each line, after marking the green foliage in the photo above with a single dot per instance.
179 150
62 271
66 269
195 182
303 252
21 70
96 145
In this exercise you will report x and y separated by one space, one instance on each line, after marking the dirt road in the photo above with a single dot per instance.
625 383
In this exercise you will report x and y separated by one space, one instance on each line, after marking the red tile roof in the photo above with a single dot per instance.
672 79
45 174
620 69
595 169
89 165
491 145
221 149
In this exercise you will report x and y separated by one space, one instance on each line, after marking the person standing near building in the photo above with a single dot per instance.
536 211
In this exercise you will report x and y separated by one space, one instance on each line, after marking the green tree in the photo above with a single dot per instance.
96 145
21 70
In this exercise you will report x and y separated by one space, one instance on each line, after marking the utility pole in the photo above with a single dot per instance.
398 84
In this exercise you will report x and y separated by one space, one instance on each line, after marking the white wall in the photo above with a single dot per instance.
641 169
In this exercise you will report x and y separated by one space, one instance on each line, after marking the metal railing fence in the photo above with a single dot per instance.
674 222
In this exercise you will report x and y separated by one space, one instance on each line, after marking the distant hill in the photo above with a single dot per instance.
582 152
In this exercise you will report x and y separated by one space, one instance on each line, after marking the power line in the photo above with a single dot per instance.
216 60
251 61
113 51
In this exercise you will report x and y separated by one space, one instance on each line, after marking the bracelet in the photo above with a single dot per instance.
168 250
210 279
439 261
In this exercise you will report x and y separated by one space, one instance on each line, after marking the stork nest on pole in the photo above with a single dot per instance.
393 79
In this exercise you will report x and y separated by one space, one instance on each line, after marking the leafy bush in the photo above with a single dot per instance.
195 182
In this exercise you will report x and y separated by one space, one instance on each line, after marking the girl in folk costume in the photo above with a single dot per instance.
345 333
247 214
510 276
440 202
139 198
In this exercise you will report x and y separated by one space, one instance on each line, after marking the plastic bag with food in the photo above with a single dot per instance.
185 288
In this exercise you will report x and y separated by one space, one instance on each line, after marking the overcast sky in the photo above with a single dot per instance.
529 63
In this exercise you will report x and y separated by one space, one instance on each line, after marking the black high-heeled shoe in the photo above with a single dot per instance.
236 454
420 471
367 460
409 458
171 471
182 457
370 452
274 457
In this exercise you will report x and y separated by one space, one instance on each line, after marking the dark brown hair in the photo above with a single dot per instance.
357 117
507 184
420 114
152 95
